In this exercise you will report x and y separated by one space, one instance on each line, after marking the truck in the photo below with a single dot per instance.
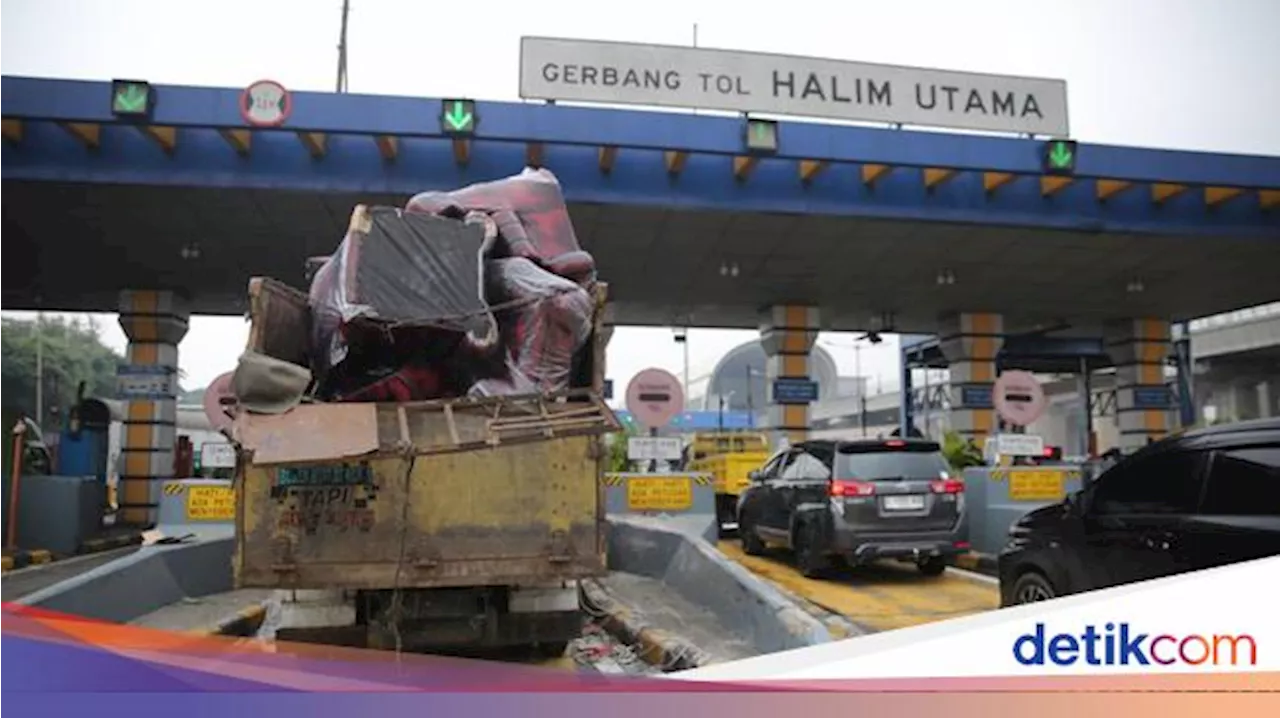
729 457
460 523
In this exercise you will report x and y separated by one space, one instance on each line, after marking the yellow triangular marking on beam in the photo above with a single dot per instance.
1162 191
606 157
1109 188
992 181
240 140
934 176
872 173
810 169
1214 196
675 160
1050 186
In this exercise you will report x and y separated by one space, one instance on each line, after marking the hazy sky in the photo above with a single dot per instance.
1184 74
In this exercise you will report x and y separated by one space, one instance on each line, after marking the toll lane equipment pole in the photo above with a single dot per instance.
10 539
1086 403
904 394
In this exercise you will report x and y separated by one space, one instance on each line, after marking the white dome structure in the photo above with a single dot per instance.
740 378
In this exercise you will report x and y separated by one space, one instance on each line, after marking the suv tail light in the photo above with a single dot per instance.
851 487
947 486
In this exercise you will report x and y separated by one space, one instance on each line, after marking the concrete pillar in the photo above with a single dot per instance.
787 334
1264 400
154 322
970 342
1140 349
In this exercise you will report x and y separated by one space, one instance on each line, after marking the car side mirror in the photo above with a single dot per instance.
755 475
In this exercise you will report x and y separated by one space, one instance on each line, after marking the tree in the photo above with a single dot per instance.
72 353
961 453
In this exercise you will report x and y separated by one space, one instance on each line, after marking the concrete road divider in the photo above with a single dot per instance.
747 606
143 581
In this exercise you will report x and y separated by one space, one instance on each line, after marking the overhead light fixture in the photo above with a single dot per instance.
1135 286
946 277
190 251
729 270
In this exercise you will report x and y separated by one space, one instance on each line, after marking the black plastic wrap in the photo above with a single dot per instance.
401 271
531 217
544 321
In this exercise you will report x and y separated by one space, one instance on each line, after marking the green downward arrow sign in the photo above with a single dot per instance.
457 117
131 99
1060 155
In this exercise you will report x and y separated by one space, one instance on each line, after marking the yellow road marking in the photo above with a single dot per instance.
879 597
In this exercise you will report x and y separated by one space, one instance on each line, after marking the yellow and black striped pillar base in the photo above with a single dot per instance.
970 342
154 322
1145 404
787 334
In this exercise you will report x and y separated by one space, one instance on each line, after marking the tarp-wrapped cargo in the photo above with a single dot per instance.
398 269
546 319
531 217
482 291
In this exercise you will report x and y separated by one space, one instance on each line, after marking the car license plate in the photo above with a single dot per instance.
904 503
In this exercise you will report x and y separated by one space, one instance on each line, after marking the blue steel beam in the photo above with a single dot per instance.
179 106
573 135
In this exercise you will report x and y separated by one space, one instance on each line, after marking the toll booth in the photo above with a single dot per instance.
84 446
997 496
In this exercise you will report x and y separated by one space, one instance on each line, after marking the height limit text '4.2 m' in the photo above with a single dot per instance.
622 73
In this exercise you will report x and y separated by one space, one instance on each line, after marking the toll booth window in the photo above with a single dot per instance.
1244 482
1167 483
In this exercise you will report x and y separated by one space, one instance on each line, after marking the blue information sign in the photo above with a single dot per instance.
795 391
976 397
1152 397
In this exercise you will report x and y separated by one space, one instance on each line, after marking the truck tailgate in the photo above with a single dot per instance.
500 491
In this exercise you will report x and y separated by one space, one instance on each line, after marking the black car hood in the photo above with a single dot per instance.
1045 515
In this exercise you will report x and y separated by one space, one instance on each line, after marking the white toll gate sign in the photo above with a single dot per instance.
670 76
654 448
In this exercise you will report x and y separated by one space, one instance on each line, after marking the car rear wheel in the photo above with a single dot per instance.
751 543
810 558
1032 587
932 566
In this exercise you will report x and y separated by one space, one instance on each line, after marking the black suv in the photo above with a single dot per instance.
1204 498
856 500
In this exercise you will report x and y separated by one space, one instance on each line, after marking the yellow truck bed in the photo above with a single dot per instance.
492 492
730 470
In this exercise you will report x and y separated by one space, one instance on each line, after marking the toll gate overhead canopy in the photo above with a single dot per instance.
691 218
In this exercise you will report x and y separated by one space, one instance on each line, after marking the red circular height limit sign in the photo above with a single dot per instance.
654 397
265 103
214 409
1018 397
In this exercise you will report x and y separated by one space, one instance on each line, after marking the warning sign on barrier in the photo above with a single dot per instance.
1037 485
660 493
211 503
